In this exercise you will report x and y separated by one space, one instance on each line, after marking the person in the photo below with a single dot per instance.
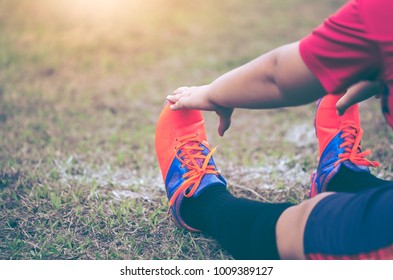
350 211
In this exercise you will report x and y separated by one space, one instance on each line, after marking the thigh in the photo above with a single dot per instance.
351 226
290 228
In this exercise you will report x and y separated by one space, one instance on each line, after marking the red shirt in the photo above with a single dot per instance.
354 44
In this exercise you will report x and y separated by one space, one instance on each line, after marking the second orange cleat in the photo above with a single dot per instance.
185 158
339 143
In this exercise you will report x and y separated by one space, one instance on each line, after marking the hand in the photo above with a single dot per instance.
196 98
358 93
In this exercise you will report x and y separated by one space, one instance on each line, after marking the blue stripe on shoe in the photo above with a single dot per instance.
174 177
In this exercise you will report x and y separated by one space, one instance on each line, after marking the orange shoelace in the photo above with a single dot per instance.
197 163
352 135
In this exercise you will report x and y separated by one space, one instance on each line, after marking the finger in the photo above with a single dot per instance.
173 98
349 99
225 120
356 94
176 97
175 106
181 103
225 123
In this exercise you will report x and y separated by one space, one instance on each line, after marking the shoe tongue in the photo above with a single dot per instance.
199 161
353 137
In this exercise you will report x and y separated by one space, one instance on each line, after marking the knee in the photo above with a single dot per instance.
290 228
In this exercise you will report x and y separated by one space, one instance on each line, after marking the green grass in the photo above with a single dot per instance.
80 93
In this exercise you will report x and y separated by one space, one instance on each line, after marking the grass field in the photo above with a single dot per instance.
81 88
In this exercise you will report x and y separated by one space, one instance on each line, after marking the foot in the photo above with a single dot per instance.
185 158
339 143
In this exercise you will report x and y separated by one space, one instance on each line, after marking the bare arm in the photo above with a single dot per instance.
278 78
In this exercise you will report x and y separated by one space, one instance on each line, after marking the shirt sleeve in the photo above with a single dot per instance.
340 52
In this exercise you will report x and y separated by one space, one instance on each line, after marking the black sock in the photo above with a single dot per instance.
347 180
246 228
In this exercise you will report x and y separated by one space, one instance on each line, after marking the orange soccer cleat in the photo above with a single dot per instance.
339 143
185 158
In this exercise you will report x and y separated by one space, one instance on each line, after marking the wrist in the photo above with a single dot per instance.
206 94
212 96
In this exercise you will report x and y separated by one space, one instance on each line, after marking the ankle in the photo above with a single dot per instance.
348 180
196 210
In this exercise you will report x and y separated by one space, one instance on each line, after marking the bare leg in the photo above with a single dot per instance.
290 228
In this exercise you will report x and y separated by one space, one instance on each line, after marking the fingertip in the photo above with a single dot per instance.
219 130
339 108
